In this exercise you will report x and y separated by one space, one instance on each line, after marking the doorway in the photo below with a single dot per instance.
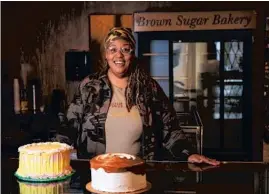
210 70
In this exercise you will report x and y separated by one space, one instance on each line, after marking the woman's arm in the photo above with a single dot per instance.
74 116
176 145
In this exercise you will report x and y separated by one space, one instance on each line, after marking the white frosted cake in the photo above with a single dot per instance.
44 160
118 172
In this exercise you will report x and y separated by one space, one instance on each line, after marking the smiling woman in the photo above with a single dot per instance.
119 58
121 109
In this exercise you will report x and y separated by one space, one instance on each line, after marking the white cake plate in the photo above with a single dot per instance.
89 188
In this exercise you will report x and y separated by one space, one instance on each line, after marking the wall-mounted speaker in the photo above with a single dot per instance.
77 65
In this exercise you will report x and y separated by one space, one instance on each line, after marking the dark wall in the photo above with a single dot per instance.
22 22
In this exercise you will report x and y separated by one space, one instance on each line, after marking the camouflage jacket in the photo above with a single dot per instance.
162 138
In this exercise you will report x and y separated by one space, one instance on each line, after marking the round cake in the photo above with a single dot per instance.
44 160
118 172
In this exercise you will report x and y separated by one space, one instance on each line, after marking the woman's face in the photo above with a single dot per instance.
119 56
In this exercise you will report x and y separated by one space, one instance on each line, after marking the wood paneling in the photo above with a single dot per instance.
100 25
127 21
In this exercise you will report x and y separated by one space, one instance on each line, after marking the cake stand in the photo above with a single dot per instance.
48 179
89 188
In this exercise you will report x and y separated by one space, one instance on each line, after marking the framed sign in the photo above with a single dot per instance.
175 21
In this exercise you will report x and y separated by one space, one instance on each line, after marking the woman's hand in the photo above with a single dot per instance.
196 158
198 168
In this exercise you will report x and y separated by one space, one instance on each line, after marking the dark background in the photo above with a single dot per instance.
21 22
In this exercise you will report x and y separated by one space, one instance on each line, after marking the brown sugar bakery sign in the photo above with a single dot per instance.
172 21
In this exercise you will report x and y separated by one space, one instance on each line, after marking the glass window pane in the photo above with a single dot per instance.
233 94
196 75
233 99
181 69
159 63
159 66
233 55
164 83
159 46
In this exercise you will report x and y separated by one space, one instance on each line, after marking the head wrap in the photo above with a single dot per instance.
120 33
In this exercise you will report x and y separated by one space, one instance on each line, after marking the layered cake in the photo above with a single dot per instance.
44 160
118 172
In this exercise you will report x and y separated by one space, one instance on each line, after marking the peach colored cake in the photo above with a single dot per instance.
118 172
44 160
